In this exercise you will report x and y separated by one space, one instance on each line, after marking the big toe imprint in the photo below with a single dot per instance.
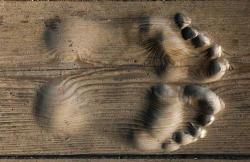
164 125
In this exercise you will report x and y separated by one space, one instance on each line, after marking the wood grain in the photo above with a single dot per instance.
119 160
114 85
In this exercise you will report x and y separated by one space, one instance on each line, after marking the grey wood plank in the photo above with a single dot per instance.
114 85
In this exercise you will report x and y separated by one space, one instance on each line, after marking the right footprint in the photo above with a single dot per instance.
164 126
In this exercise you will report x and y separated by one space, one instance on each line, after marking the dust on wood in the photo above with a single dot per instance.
115 89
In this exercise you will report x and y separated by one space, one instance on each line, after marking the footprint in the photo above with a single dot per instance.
170 42
65 107
164 126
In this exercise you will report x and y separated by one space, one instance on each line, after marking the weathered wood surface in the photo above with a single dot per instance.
115 160
115 84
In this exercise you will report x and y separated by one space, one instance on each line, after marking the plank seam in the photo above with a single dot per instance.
133 156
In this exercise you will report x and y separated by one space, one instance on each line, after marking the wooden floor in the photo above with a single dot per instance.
114 84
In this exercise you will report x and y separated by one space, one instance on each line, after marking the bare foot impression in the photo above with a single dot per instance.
167 43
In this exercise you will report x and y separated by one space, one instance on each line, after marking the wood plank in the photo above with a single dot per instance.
114 97
114 85
22 31
119 160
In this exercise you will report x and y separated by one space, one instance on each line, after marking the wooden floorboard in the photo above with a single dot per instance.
114 85
116 160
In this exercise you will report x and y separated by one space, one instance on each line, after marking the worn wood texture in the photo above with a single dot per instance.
114 84
115 160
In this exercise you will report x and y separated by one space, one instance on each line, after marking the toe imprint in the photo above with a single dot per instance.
205 120
214 67
182 20
215 51
205 98
200 41
189 33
